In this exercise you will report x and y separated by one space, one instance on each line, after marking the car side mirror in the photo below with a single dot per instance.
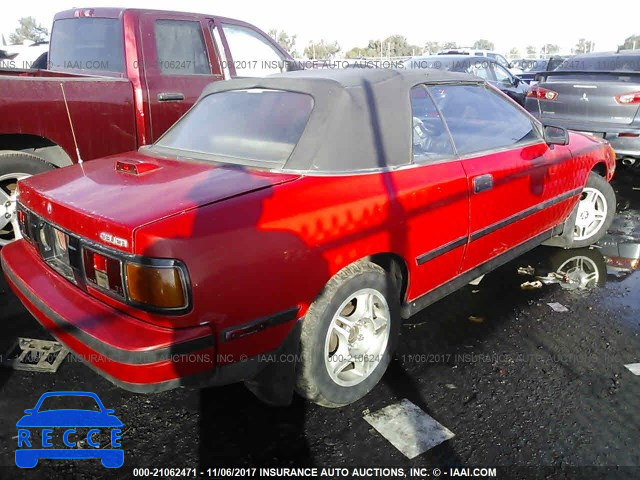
516 80
109 411
29 411
555 135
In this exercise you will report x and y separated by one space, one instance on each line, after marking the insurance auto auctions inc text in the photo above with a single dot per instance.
375 472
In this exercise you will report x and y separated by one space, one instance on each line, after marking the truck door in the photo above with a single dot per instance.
179 61
249 51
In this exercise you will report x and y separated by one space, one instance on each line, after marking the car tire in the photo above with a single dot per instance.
348 336
13 167
596 208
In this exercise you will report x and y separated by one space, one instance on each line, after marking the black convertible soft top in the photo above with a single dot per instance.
361 118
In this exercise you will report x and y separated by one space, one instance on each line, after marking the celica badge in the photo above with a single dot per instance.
49 208
584 97
113 240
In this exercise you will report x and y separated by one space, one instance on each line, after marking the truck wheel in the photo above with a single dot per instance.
14 166
596 208
348 336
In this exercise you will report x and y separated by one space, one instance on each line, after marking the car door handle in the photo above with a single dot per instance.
482 183
170 96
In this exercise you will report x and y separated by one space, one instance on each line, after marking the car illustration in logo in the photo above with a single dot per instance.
59 433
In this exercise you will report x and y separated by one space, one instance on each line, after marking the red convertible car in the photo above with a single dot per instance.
282 229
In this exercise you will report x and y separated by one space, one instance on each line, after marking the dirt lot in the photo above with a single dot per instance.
517 382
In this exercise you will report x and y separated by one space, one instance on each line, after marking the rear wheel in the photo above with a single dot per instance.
596 208
14 166
348 336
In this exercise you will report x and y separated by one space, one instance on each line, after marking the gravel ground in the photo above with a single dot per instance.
517 382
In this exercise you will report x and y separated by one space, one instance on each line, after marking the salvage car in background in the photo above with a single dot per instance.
526 69
257 225
595 93
483 67
117 79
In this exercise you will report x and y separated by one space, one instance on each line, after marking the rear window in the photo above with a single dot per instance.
87 44
256 127
617 63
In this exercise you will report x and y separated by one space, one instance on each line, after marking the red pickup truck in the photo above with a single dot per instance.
116 80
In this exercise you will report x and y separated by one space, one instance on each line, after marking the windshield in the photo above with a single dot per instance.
245 127
67 402
87 44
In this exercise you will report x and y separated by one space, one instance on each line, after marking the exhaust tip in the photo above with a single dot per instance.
628 161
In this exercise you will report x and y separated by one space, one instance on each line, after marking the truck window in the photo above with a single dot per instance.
81 44
253 55
181 49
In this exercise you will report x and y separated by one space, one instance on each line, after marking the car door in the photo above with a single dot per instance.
507 83
179 61
434 200
519 187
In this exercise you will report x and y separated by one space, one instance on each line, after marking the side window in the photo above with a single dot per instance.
253 55
502 75
430 138
481 68
181 49
479 119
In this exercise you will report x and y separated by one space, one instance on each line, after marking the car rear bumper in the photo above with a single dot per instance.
624 146
132 354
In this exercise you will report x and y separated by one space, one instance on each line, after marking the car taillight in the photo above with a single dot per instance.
631 98
151 284
542 93
161 287
22 222
103 271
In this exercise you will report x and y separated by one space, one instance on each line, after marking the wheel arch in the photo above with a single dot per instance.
396 266
41 147
601 169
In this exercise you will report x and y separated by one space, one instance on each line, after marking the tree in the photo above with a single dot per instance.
483 44
549 49
432 47
449 45
514 53
29 30
321 50
531 51
631 43
584 46
287 42
393 46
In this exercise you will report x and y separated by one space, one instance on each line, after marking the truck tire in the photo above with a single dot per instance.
13 167
596 209
348 336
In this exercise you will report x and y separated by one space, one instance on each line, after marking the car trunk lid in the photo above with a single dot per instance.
588 95
102 203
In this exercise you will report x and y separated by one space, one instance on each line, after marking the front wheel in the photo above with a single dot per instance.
348 336
596 209
14 166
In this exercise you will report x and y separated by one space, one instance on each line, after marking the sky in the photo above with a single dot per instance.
507 23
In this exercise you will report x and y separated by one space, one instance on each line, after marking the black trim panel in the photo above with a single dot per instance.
410 308
112 353
255 326
523 214
425 257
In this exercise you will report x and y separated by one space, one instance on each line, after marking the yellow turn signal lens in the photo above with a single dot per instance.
160 287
